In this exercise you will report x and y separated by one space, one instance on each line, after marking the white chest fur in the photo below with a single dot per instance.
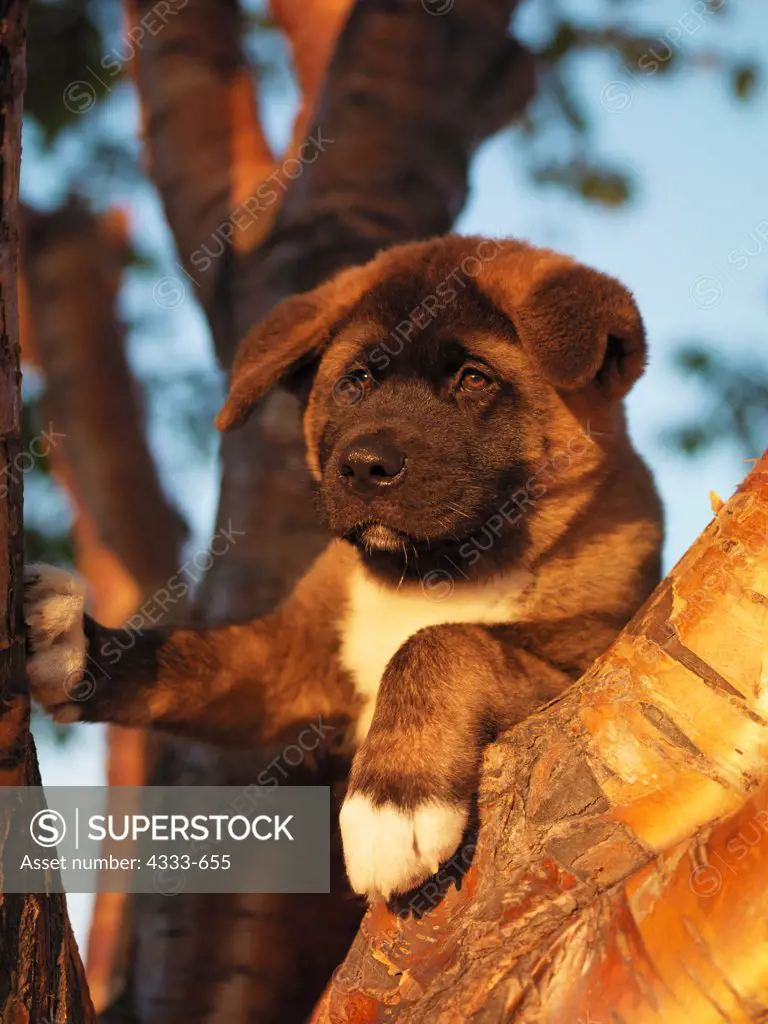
380 619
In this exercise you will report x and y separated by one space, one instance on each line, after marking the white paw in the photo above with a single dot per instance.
54 602
390 850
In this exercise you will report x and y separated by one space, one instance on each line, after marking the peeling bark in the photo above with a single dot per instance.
41 978
620 869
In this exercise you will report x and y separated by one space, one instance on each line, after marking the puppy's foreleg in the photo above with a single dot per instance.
444 695
218 684
413 777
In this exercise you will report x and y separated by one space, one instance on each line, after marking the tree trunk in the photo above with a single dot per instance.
620 872
41 979
407 99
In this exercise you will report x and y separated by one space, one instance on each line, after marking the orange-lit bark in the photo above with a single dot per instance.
205 147
108 953
620 870
312 31
41 977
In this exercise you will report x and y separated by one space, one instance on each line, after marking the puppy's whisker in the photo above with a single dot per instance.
405 567
416 561
458 511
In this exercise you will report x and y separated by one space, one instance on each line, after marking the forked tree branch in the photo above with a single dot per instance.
405 102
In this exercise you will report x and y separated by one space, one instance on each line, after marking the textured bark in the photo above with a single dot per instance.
41 977
620 871
127 536
406 100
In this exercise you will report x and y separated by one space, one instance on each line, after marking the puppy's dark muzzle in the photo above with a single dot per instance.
371 465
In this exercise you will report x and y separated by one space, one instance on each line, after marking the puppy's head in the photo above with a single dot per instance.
447 376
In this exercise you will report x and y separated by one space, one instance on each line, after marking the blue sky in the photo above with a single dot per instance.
700 159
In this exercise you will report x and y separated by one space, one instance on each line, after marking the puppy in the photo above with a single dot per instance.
493 530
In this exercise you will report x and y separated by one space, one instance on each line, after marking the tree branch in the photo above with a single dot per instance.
406 101
206 149
600 886
73 265
312 30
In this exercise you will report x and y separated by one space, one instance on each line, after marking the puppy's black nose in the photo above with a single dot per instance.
371 463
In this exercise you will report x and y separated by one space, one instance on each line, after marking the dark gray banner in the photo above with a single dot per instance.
166 839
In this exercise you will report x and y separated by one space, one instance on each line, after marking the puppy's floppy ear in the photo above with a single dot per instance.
582 327
295 332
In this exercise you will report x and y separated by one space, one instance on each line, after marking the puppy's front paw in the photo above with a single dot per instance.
390 849
54 602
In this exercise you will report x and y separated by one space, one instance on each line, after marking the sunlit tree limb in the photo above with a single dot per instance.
621 866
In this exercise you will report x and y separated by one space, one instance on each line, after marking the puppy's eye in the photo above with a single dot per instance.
353 386
362 380
474 381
